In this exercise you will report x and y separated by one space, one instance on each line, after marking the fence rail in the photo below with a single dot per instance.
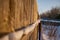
18 35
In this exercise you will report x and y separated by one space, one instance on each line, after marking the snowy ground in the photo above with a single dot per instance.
50 32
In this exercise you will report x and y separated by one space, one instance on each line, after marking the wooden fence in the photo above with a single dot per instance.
18 14
29 33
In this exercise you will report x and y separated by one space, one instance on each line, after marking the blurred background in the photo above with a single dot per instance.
49 11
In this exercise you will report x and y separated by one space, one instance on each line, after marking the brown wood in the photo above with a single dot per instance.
4 12
16 14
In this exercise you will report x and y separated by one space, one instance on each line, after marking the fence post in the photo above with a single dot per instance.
39 31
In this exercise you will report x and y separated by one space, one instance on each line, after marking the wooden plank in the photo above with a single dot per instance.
4 12
31 35
25 13
5 38
15 14
16 35
35 12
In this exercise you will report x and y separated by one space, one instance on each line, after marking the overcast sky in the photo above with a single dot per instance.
44 5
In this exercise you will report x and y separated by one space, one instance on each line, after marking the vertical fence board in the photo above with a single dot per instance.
4 11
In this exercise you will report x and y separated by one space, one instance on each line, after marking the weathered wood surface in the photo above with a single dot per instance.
29 33
5 38
4 12
15 14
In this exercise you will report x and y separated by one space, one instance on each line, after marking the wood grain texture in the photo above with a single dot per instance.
15 14
4 12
